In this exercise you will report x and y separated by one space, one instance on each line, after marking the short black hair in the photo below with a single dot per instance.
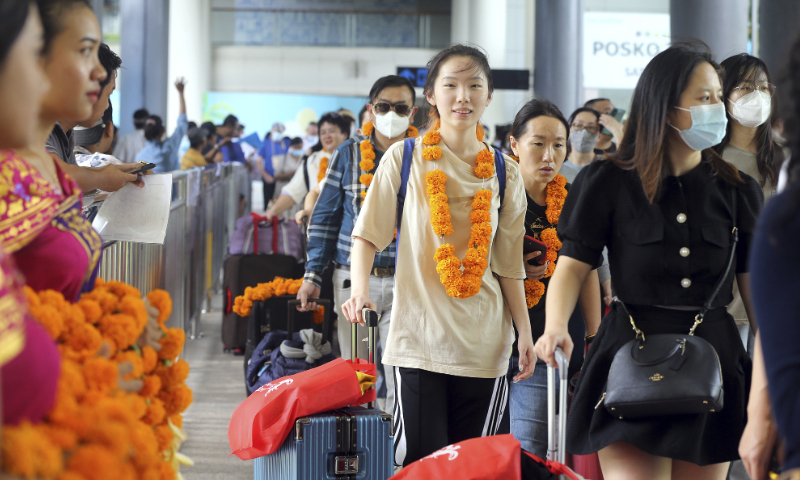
110 61
391 81
192 125
538 107
582 110
196 136
153 128
296 141
590 103
230 121
338 120
209 127
139 117
361 115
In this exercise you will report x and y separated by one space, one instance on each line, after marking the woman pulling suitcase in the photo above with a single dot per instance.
451 330
678 222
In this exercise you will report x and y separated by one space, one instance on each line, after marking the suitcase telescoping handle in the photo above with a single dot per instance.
371 322
557 422
322 302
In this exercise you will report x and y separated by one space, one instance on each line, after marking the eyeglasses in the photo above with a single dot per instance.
579 126
399 108
764 87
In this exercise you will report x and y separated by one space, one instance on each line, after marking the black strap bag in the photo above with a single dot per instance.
668 374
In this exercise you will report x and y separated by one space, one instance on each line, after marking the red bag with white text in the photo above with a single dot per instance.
260 424
497 457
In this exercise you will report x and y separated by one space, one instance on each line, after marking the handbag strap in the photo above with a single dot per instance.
698 319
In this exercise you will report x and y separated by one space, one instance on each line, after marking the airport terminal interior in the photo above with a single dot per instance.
420 239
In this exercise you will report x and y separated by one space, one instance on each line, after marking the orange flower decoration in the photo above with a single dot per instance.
263 291
163 303
149 359
323 168
556 196
458 283
172 344
366 129
367 163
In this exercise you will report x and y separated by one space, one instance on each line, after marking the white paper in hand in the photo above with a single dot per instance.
136 214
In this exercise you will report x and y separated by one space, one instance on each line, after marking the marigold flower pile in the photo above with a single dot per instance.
96 430
243 304
458 283
556 195
367 163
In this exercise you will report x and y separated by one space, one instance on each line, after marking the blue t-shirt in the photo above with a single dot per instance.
164 154
233 153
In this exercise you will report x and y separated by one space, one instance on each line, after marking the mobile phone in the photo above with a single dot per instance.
531 245
145 167
618 115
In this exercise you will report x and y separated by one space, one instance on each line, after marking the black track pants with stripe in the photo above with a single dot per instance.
433 410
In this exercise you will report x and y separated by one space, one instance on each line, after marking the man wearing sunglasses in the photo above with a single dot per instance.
391 110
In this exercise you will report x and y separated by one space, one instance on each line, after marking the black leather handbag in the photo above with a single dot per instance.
668 374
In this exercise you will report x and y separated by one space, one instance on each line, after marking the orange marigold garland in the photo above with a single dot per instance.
556 195
243 304
323 168
459 283
95 427
367 163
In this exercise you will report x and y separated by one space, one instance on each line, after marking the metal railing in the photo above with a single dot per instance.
205 206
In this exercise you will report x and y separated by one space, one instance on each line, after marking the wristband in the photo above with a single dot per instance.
589 338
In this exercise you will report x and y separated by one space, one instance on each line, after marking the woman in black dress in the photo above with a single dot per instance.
663 205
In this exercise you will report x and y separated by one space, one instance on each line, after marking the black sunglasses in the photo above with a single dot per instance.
399 108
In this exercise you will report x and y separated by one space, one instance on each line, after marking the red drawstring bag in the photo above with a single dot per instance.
485 458
261 423
497 457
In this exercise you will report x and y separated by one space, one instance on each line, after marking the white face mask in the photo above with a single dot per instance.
752 109
708 126
277 136
391 125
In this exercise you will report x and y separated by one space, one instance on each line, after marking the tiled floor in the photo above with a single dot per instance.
217 380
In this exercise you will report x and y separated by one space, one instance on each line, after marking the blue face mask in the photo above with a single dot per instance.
296 153
708 126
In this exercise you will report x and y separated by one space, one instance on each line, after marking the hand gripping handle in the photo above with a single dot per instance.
557 420
371 322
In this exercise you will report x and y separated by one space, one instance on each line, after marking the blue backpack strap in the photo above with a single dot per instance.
405 170
500 168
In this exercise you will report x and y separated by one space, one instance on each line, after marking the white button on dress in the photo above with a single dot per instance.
686 283
684 252
681 218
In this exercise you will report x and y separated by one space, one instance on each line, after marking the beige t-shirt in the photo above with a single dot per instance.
430 330
747 163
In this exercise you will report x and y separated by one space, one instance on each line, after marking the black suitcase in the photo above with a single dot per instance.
240 272
273 314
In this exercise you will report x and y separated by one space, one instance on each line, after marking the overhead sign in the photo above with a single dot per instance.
503 79
617 46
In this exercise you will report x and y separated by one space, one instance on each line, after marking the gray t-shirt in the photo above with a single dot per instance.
62 144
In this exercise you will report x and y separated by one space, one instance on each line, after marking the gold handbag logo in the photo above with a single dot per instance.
657 377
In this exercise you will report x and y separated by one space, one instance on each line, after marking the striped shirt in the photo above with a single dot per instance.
336 211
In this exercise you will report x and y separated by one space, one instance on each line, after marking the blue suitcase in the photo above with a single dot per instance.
353 443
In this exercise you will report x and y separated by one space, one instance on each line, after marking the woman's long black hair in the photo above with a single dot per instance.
739 69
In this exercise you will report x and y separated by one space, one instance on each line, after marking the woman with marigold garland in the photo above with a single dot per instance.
451 330
539 136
